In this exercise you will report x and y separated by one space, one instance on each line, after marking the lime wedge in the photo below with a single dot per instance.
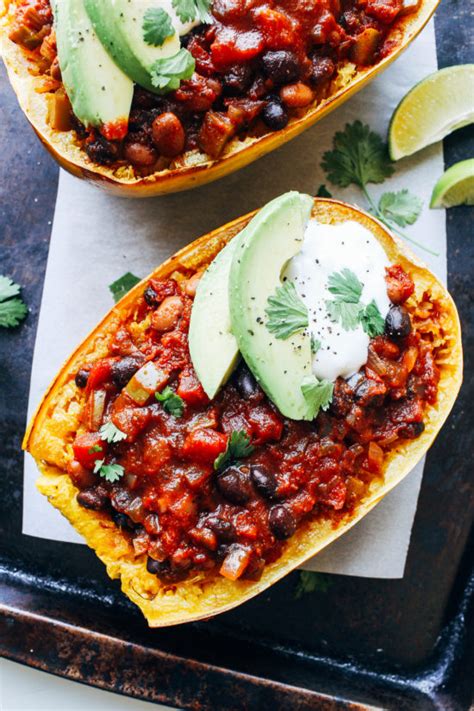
456 186
435 107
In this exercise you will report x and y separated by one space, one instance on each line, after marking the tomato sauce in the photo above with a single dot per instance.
182 512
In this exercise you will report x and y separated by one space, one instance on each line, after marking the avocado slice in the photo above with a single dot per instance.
261 253
119 26
213 348
99 92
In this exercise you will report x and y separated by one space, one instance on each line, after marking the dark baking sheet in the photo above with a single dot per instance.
398 644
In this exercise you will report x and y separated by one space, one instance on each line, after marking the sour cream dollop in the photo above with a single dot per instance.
328 249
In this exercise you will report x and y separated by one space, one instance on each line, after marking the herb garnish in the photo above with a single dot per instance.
315 344
12 310
94 449
121 286
110 433
286 312
312 582
237 448
323 192
317 393
167 73
347 309
359 157
190 10
109 472
157 26
171 402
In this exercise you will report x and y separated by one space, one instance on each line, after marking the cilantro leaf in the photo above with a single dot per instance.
109 472
12 311
171 402
190 10
167 73
110 433
403 208
315 344
371 320
323 192
359 156
121 286
347 314
94 449
312 582
317 393
346 286
157 26
8 288
286 312
238 447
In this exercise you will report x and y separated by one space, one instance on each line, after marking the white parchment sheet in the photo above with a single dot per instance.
96 238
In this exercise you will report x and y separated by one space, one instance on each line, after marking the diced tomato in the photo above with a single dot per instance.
399 285
190 389
278 30
384 11
116 130
334 493
266 424
232 47
88 448
204 445
99 373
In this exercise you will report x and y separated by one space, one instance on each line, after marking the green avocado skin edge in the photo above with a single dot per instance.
262 251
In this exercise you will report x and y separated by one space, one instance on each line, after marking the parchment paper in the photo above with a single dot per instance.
96 238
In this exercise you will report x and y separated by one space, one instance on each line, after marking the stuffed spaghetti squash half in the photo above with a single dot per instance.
247 403
156 97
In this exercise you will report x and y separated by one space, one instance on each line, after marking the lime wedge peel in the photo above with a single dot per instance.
436 106
456 186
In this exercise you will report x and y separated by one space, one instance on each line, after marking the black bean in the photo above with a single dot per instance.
82 376
281 66
122 370
411 430
94 498
370 393
224 530
164 571
234 484
274 114
122 521
398 322
322 69
150 296
264 481
246 383
282 522
237 79
100 150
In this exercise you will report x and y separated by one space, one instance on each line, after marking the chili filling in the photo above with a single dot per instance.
188 517
255 68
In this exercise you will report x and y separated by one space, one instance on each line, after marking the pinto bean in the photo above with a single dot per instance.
167 314
139 154
190 285
295 96
168 134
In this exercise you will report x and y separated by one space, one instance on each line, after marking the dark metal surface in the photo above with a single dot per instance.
399 644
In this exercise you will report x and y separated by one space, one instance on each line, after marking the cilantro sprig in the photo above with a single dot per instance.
168 72
190 10
347 309
172 403
311 582
286 312
359 156
238 447
12 310
157 26
109 472
110 433
317 393
122 285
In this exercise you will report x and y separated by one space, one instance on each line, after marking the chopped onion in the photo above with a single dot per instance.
98 407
